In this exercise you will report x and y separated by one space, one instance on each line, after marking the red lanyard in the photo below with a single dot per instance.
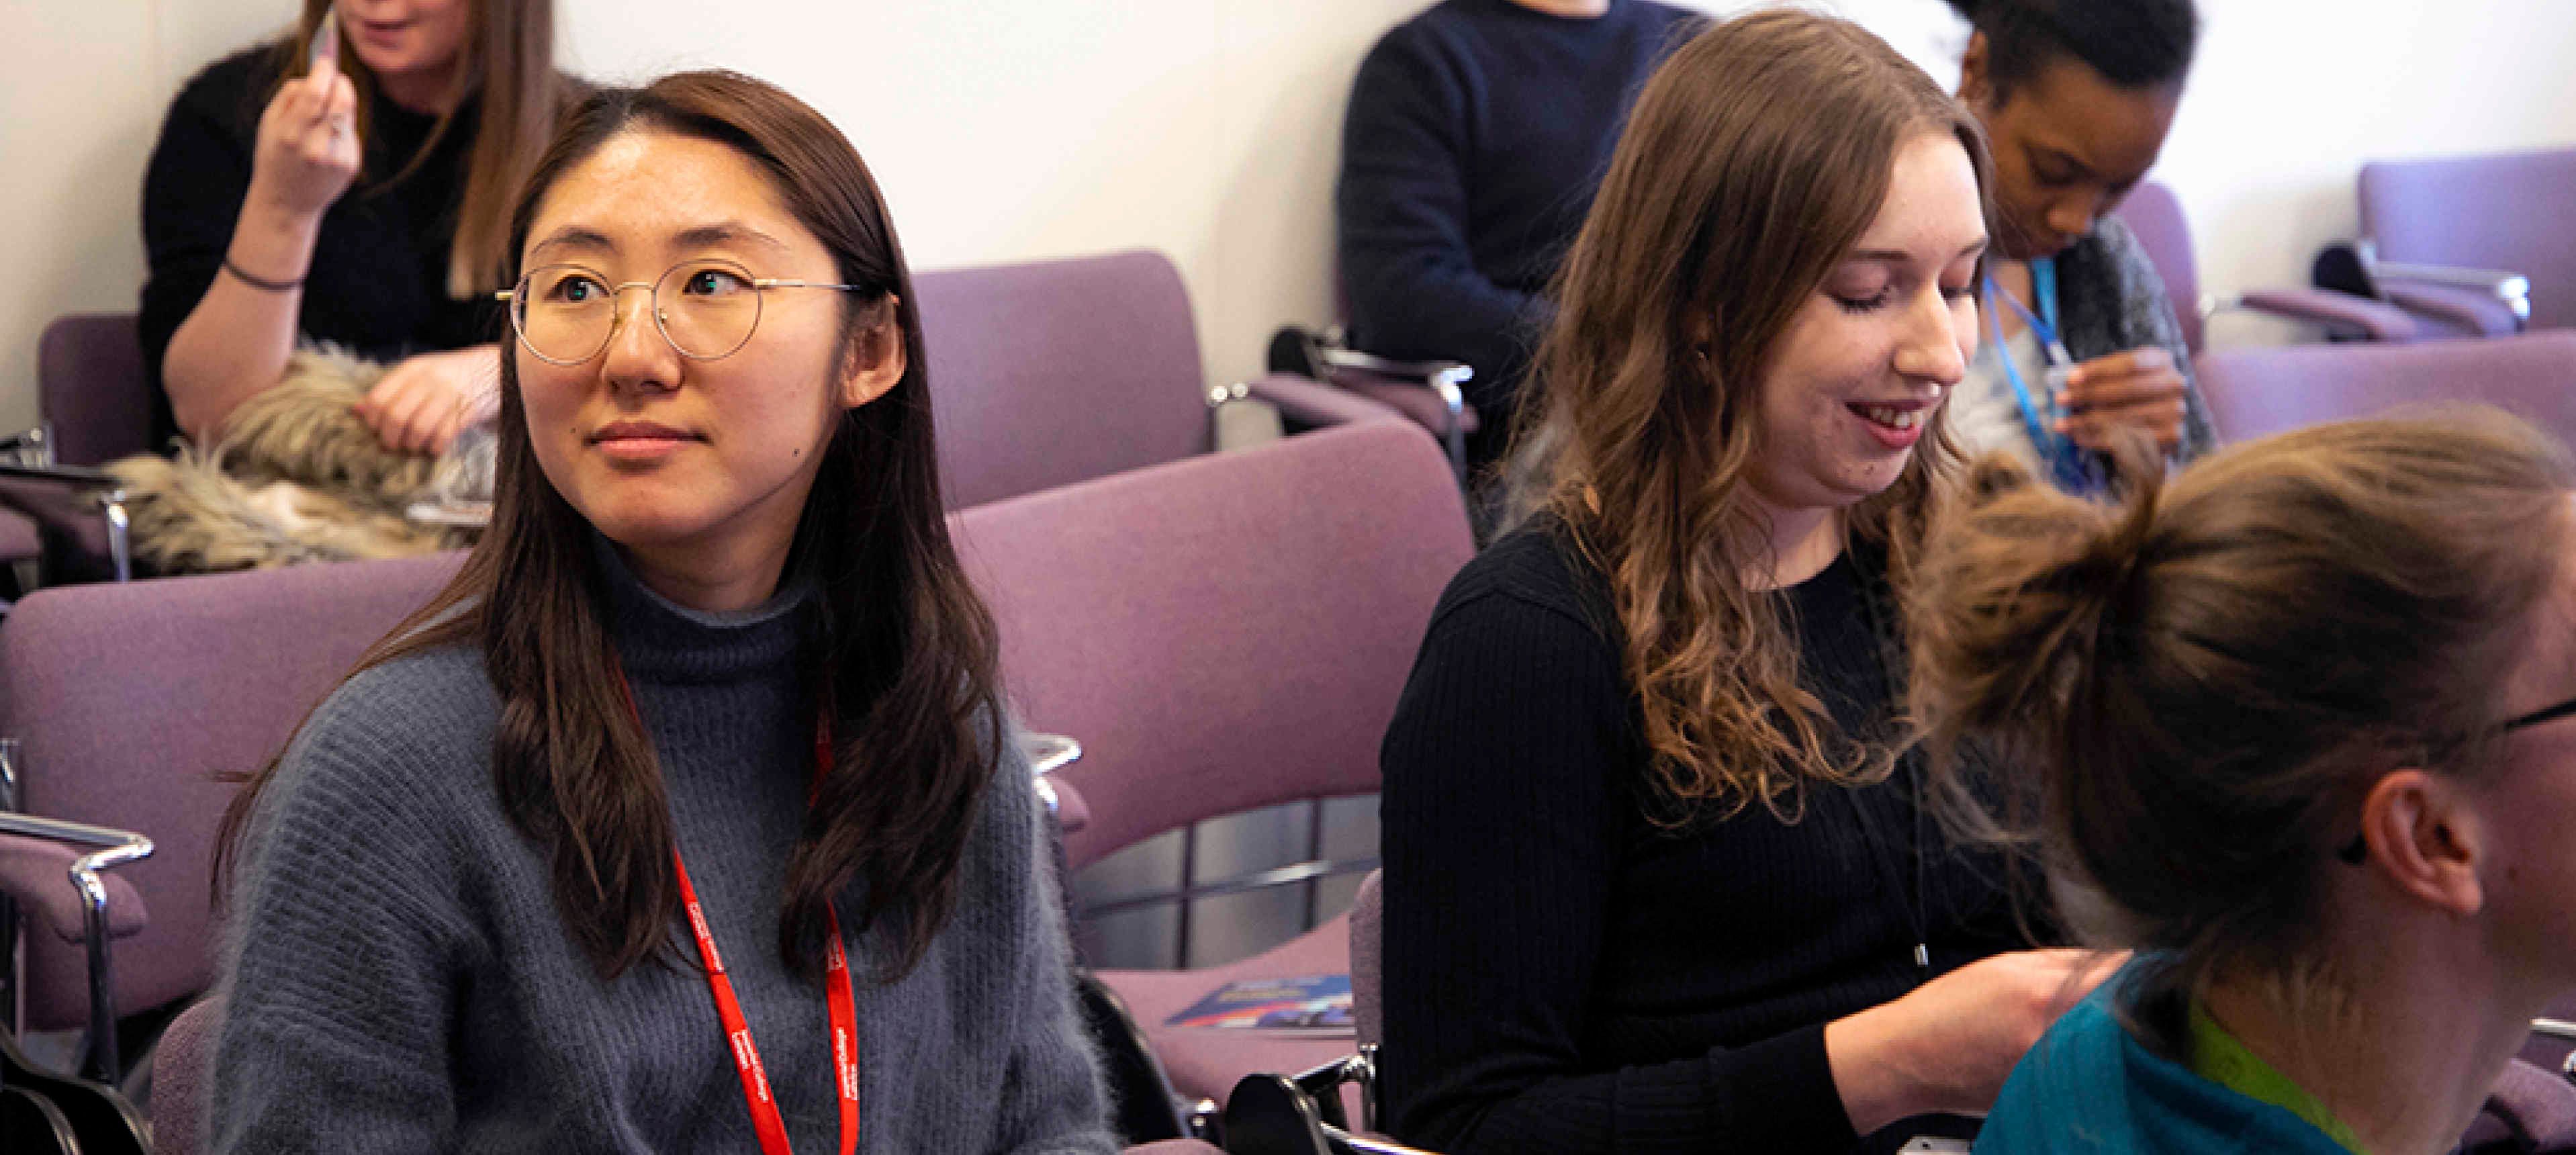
765 1119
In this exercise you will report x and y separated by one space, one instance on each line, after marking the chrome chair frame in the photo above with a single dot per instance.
114 848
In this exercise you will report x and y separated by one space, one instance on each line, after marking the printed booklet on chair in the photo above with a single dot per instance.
1316 1004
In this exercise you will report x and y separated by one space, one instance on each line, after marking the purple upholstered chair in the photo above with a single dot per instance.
2473 220
1222 634
2154 215
125 702
1053 372
2253 392
91 388
97 406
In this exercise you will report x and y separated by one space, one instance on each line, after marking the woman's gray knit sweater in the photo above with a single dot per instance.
399 979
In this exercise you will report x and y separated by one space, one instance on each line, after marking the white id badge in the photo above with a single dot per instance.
1934 1145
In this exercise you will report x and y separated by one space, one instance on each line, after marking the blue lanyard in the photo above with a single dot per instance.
2065 460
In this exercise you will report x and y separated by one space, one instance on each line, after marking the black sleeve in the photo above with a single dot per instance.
1503 808
192 195
1413 287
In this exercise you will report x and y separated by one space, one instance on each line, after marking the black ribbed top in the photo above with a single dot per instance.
1562 973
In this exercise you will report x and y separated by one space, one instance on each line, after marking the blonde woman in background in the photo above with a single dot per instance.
350 183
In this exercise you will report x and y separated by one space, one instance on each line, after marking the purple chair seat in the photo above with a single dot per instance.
2254 392
1204 1063
2529 1110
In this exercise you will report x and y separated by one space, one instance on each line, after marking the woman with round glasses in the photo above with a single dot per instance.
349 184
686 817
2295 725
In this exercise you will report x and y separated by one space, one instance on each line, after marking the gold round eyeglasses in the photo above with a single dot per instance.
706 309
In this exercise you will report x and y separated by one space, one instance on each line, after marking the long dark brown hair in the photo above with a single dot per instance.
2193 688
1755 159
910 649
508 61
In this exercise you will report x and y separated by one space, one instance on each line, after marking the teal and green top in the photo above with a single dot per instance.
2216 1055
2091 1087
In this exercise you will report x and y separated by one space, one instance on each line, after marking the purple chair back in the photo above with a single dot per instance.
2155 217
1368 926
127 700
1055 372
1223 633
2255 392
2509 211
90 384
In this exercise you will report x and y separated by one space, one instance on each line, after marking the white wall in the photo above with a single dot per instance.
1008 129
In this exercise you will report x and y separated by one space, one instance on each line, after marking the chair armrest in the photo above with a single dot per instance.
2472 311
1048 753
2340 312
2501 284
1423 372
1438 405
1307 402
1063 801
1285 1111
37 874
109 848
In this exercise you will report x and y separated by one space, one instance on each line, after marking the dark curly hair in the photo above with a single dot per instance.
2132 43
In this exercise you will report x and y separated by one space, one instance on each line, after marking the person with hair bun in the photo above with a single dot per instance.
2076 97
1656 877
2296 726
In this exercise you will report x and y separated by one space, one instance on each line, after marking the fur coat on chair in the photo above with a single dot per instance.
298 476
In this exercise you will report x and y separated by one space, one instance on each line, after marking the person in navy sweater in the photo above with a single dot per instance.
1477 133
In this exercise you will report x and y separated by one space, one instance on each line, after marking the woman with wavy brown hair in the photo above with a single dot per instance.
1654 879
685 818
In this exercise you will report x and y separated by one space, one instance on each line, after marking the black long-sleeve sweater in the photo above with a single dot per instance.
1477 134
1562 973
378 283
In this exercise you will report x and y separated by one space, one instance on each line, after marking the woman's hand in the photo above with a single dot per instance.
420 406
307 151
2140 389
1948 1046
